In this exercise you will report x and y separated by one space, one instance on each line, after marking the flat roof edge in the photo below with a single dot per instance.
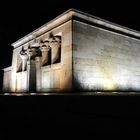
67 15
73 14
106 23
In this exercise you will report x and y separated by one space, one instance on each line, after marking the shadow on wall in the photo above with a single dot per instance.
76 85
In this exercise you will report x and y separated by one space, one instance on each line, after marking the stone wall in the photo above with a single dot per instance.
21 82
104 60
7 79
58 77
49 77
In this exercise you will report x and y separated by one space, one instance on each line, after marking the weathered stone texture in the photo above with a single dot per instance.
39 75
75 51
103 60
7 80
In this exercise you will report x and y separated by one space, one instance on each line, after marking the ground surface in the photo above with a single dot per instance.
104 114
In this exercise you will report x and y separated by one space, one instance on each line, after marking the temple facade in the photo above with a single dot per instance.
75 52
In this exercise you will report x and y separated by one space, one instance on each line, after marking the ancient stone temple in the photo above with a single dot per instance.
75 52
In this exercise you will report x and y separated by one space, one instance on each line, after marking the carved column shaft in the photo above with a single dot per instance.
24 62
55 44
31 75
24 57
31 69
38 74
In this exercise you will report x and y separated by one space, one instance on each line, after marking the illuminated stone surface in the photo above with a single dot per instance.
75 51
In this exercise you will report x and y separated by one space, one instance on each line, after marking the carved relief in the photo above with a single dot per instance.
31 52
55 44
24 57
19 63
45 52
49 50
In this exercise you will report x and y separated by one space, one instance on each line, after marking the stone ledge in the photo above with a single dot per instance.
73 14
8 68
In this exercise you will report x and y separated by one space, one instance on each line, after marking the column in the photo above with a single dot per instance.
31 69
45 53
55 44
31 76
38 73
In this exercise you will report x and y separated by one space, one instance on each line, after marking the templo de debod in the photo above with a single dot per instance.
75 52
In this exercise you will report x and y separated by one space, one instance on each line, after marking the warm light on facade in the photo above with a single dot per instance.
81 53
108 84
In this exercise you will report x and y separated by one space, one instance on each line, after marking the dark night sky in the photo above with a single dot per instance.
17 20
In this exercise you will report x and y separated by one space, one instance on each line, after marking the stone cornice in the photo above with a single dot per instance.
105 24
73 14
46 27
7 68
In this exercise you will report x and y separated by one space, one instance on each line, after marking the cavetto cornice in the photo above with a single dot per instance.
73 14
